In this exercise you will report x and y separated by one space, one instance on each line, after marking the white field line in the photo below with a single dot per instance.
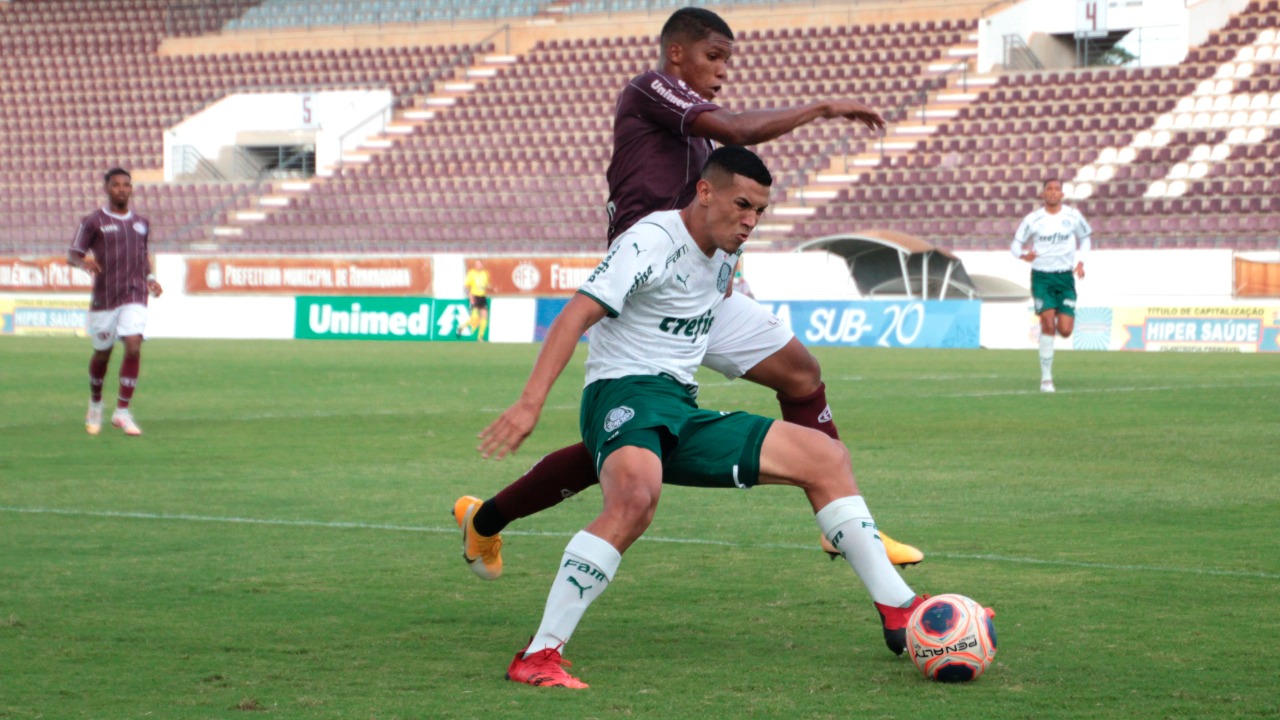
259 417
1035 390
339 525
1100 391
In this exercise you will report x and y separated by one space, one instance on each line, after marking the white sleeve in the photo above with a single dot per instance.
1084 234
1020 237
634 263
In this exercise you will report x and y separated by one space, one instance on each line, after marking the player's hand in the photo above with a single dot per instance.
505 435
90 266
1030 255
1080 270
857 112
154 288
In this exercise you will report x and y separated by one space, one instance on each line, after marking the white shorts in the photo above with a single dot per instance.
108 326
743 334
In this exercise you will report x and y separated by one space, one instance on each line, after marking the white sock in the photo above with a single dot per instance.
1046 357
847 523
589 563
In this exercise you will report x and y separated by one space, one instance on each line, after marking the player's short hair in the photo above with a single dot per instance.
734 160
1046 182
106 179
691 24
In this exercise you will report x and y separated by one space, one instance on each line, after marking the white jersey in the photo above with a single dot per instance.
661 293
1053 237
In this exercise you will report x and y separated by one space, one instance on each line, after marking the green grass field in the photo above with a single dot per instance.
278 541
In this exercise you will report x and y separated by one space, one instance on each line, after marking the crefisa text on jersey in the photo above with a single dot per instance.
688 327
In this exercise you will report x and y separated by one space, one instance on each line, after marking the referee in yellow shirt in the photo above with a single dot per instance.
477 285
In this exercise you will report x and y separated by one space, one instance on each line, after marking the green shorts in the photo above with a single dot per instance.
699 448
1054 291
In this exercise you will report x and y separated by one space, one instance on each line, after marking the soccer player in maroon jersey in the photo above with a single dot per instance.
665 126
111 245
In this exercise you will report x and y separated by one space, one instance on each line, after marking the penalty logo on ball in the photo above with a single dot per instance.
951 638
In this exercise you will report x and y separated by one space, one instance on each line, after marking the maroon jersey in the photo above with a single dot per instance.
119 244
656 162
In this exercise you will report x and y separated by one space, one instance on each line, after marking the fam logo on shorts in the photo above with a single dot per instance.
617 417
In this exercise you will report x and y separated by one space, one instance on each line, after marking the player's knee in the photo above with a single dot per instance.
831 464
839 462
803 374
633 499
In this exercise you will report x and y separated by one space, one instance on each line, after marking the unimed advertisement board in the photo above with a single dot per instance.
420 319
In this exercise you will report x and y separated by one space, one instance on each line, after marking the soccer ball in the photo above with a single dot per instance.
951 638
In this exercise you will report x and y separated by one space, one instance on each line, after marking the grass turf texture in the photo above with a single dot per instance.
279 541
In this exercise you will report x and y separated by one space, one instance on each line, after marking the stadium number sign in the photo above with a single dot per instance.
1091 18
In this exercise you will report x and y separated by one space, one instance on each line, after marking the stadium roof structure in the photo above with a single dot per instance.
887 263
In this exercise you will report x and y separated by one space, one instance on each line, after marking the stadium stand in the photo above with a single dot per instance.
1181 155
193 17
273 14
660 7
1123 136
521 161
80 97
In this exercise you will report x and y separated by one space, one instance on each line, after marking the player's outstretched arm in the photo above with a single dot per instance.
505 435
756 126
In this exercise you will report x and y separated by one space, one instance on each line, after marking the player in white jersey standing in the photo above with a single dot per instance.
651 304
1059 237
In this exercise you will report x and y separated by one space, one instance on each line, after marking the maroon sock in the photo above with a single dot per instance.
811 411
549 482
128 380
97 376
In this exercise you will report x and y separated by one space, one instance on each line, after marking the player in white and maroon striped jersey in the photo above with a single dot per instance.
112 245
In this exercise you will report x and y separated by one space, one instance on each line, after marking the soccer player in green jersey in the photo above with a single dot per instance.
666 124
1059 237
651 304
